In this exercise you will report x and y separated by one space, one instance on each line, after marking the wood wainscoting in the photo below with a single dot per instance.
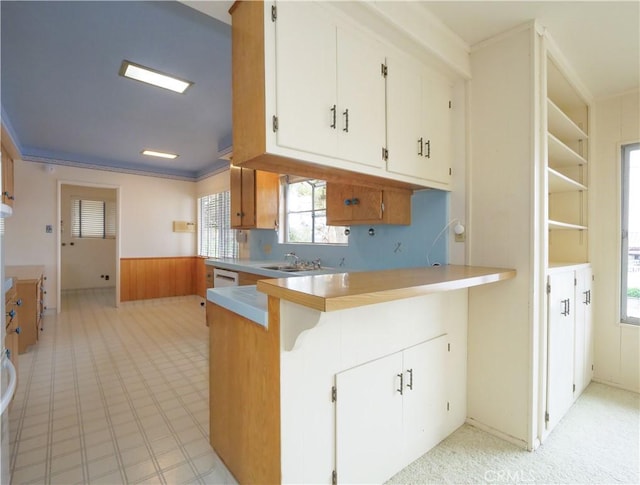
146 278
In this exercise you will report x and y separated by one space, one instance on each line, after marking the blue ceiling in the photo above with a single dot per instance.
63 100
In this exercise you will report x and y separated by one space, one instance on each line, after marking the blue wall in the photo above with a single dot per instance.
430 210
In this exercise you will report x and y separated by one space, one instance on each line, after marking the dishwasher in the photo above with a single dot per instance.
223 277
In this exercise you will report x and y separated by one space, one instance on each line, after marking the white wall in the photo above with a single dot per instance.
85 260
148 206
617 346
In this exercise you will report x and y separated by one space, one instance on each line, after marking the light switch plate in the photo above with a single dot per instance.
48 228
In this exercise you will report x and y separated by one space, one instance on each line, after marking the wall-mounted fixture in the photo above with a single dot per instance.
372 231
147 75
459 232
184 226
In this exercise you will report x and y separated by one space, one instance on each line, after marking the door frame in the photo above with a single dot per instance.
80 183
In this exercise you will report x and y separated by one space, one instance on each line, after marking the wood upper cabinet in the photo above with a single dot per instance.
310 96
352 205
254 198
418 121
7 178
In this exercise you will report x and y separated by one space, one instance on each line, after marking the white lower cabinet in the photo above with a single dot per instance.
391 411
569 355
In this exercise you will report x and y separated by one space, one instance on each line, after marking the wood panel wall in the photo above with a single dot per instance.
244 393
146 278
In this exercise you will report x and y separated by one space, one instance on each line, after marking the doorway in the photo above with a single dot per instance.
88 238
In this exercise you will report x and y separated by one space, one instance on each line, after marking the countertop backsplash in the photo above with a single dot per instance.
390 247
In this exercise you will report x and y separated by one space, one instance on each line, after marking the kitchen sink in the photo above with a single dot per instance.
290 269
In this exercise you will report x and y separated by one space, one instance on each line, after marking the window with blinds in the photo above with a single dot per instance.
93 219
216 239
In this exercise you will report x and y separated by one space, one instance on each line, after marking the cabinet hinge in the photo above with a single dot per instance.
382 207
274 13
449 104
275 123
384 70
548 288
334 478
334 394
385 154
546 416
591 366
448 347
449 170
574 388
575 281
448 406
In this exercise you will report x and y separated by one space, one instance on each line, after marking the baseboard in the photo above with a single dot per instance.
615 384
492 431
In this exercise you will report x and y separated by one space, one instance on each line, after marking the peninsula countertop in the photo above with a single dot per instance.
347 290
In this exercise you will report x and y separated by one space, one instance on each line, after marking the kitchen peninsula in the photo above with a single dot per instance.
353 376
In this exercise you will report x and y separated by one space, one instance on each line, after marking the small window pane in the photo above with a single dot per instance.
299 197
93 219
299 227
216 239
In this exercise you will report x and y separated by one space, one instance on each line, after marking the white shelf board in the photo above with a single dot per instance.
560 155
557 225
561 126
561 183
566 264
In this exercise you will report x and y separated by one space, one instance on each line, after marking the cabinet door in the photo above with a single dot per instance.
583 334
369 421
405 137
348 204
306 78
361 98
7 178
436 95
425 398
560 346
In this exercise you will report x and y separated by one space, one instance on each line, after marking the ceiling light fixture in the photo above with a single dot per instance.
151 76
153 153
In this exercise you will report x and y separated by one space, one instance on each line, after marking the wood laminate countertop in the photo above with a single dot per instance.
348 290
25 273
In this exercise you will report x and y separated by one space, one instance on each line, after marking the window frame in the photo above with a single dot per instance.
624 232
108 207
227 233
286 182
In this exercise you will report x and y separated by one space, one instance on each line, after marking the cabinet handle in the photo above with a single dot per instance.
11 314
18 330
428 145
346 121
420 147
19 302
354 201
589 296
333 117
586 297
400 389
410 384
566 309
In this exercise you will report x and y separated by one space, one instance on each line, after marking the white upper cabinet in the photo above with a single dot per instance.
330 90
306 78
418 121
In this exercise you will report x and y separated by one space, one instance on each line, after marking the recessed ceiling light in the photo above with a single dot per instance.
151 76
153 153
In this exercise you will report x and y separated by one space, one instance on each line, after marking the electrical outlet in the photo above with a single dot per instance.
460 237
48 228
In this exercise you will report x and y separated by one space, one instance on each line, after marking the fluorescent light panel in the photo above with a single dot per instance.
153 153
153 77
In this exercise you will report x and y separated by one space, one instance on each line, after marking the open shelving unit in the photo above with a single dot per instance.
567 169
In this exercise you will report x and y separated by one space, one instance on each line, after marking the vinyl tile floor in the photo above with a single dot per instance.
115 395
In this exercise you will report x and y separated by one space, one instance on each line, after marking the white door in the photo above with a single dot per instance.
361 98
405 137
436 95
306 78
369 421
560 346
425 398
584 338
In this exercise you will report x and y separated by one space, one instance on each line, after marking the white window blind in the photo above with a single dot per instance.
93 219
216 239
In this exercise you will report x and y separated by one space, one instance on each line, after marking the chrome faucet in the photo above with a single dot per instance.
294 257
